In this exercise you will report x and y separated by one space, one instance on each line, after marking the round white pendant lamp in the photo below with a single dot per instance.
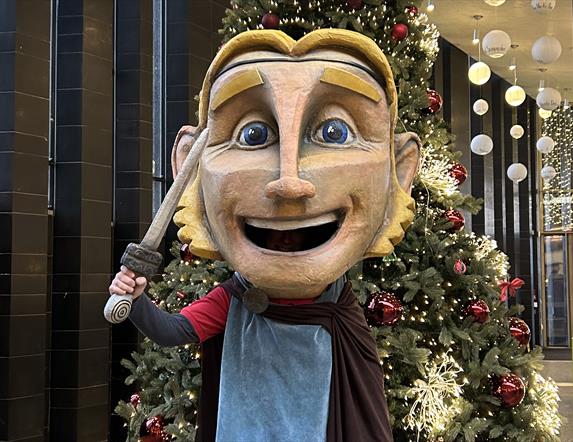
517 172
516 131
548 173
496 43
479 73
545 144
546 50
548 99
543 6
481 144
515 95
480 106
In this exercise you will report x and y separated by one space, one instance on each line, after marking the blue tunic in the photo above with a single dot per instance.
275 377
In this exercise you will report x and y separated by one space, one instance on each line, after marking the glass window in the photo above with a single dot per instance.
557 306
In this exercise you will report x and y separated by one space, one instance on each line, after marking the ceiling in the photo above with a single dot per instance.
454 19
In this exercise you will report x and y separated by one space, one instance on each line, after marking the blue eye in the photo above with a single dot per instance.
254 134
334 131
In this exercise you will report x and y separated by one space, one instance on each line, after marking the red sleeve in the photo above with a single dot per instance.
208 315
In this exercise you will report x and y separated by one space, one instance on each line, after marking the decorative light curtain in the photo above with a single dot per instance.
558 192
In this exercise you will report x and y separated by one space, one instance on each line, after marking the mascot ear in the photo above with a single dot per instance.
400 207
191 216
407 151
182 146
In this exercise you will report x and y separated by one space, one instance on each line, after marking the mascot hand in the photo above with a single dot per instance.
125 282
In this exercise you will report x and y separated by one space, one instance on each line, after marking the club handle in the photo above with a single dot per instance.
117 308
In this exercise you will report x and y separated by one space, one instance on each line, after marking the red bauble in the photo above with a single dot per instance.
135 400
399 31
154 425
510 389
460 267
478 310
185 253
459 173
411 10
435 102
354 4
519 330
383 308
270 21
456 218
180 295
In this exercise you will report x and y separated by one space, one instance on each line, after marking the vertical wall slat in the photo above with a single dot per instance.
24 225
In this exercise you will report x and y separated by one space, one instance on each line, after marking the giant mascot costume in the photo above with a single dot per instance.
300 178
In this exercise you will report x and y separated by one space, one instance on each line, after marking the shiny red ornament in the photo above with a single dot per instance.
435 102
510 389
180 294
519 330
354 4
411 10
154 425
399 31
459 173
460 267
383 308
135 399
478 310
185 253
456 218
270 21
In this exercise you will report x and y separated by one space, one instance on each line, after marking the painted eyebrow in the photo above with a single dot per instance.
235 85
350 81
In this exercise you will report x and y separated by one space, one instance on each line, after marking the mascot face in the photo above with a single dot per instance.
299 175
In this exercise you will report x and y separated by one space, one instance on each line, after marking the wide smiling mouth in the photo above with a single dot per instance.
292 235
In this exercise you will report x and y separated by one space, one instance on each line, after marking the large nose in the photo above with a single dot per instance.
289 185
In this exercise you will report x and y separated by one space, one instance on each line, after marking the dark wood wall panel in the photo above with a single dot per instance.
82 237
508 210
133 166
24 225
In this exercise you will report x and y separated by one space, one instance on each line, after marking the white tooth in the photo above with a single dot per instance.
291 224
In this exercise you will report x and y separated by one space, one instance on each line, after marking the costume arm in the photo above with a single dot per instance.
161 327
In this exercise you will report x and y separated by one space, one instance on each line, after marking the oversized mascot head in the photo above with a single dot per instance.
302 175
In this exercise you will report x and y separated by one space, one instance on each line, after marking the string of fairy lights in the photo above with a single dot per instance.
558 182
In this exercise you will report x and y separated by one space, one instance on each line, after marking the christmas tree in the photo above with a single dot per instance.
457 360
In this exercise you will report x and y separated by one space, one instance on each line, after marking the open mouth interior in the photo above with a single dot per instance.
293 240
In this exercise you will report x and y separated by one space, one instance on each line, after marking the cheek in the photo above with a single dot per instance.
236 179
